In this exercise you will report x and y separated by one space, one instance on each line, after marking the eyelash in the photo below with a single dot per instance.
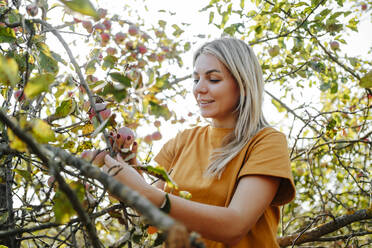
212 80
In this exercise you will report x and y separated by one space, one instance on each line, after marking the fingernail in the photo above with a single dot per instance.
118 136
111 133
129 137
134 143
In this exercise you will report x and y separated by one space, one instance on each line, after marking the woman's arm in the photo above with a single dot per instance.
228 225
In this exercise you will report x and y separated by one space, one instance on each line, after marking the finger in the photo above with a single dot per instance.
133 161
128 141
110 161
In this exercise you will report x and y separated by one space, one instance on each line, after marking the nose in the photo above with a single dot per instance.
201 87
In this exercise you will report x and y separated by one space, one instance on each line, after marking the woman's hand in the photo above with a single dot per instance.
125 173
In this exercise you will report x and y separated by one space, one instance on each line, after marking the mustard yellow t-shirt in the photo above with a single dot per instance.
186 157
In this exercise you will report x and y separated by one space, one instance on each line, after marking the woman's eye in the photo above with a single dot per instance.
214 80
196 81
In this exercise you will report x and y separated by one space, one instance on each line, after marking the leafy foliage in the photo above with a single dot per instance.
121 82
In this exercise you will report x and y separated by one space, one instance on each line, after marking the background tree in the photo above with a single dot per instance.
59 103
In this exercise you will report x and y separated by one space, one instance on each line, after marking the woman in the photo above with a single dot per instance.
237 169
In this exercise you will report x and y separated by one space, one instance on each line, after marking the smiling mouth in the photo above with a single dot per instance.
205 103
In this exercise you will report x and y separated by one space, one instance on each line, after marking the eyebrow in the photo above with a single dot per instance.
208 72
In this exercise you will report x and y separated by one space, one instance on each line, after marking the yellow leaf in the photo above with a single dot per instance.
38 84
366 80
9 71
84 7
87 129
42 131
16 143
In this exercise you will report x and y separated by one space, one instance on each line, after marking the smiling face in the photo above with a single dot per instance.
215 91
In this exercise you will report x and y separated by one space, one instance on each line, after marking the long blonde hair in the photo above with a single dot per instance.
243 64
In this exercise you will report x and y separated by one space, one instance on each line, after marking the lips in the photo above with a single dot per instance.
204 103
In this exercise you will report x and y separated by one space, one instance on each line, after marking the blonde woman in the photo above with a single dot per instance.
237 168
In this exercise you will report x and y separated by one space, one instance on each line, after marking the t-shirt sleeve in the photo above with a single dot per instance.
269 156
167 153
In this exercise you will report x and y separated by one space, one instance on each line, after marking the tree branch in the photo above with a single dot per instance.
315 233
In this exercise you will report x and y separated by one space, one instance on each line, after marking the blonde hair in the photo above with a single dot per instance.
243 64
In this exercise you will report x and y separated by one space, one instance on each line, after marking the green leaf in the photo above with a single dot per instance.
118 77
84 7
160 173
66 108
211 16
25 174
366 80
159 110
62 207
118 93
7 35
91 68
46 59
38 84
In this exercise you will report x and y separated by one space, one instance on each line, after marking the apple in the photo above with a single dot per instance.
142 49
160 57
124 134
157 123
148 139
274 51
88 26
334 45
105 114
32 9
105 37
156 136
102 13
129 45
120 37
133 30
107 24
111 51
364 6
19 95
99 27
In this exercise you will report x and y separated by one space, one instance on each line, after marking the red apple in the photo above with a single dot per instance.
120 37
88 26
105 114
107 24
19 95
129 45
32 9
111 51
364 6
105 37
133 30
334 45
156 136
142 49
157 123
99 27
148 139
